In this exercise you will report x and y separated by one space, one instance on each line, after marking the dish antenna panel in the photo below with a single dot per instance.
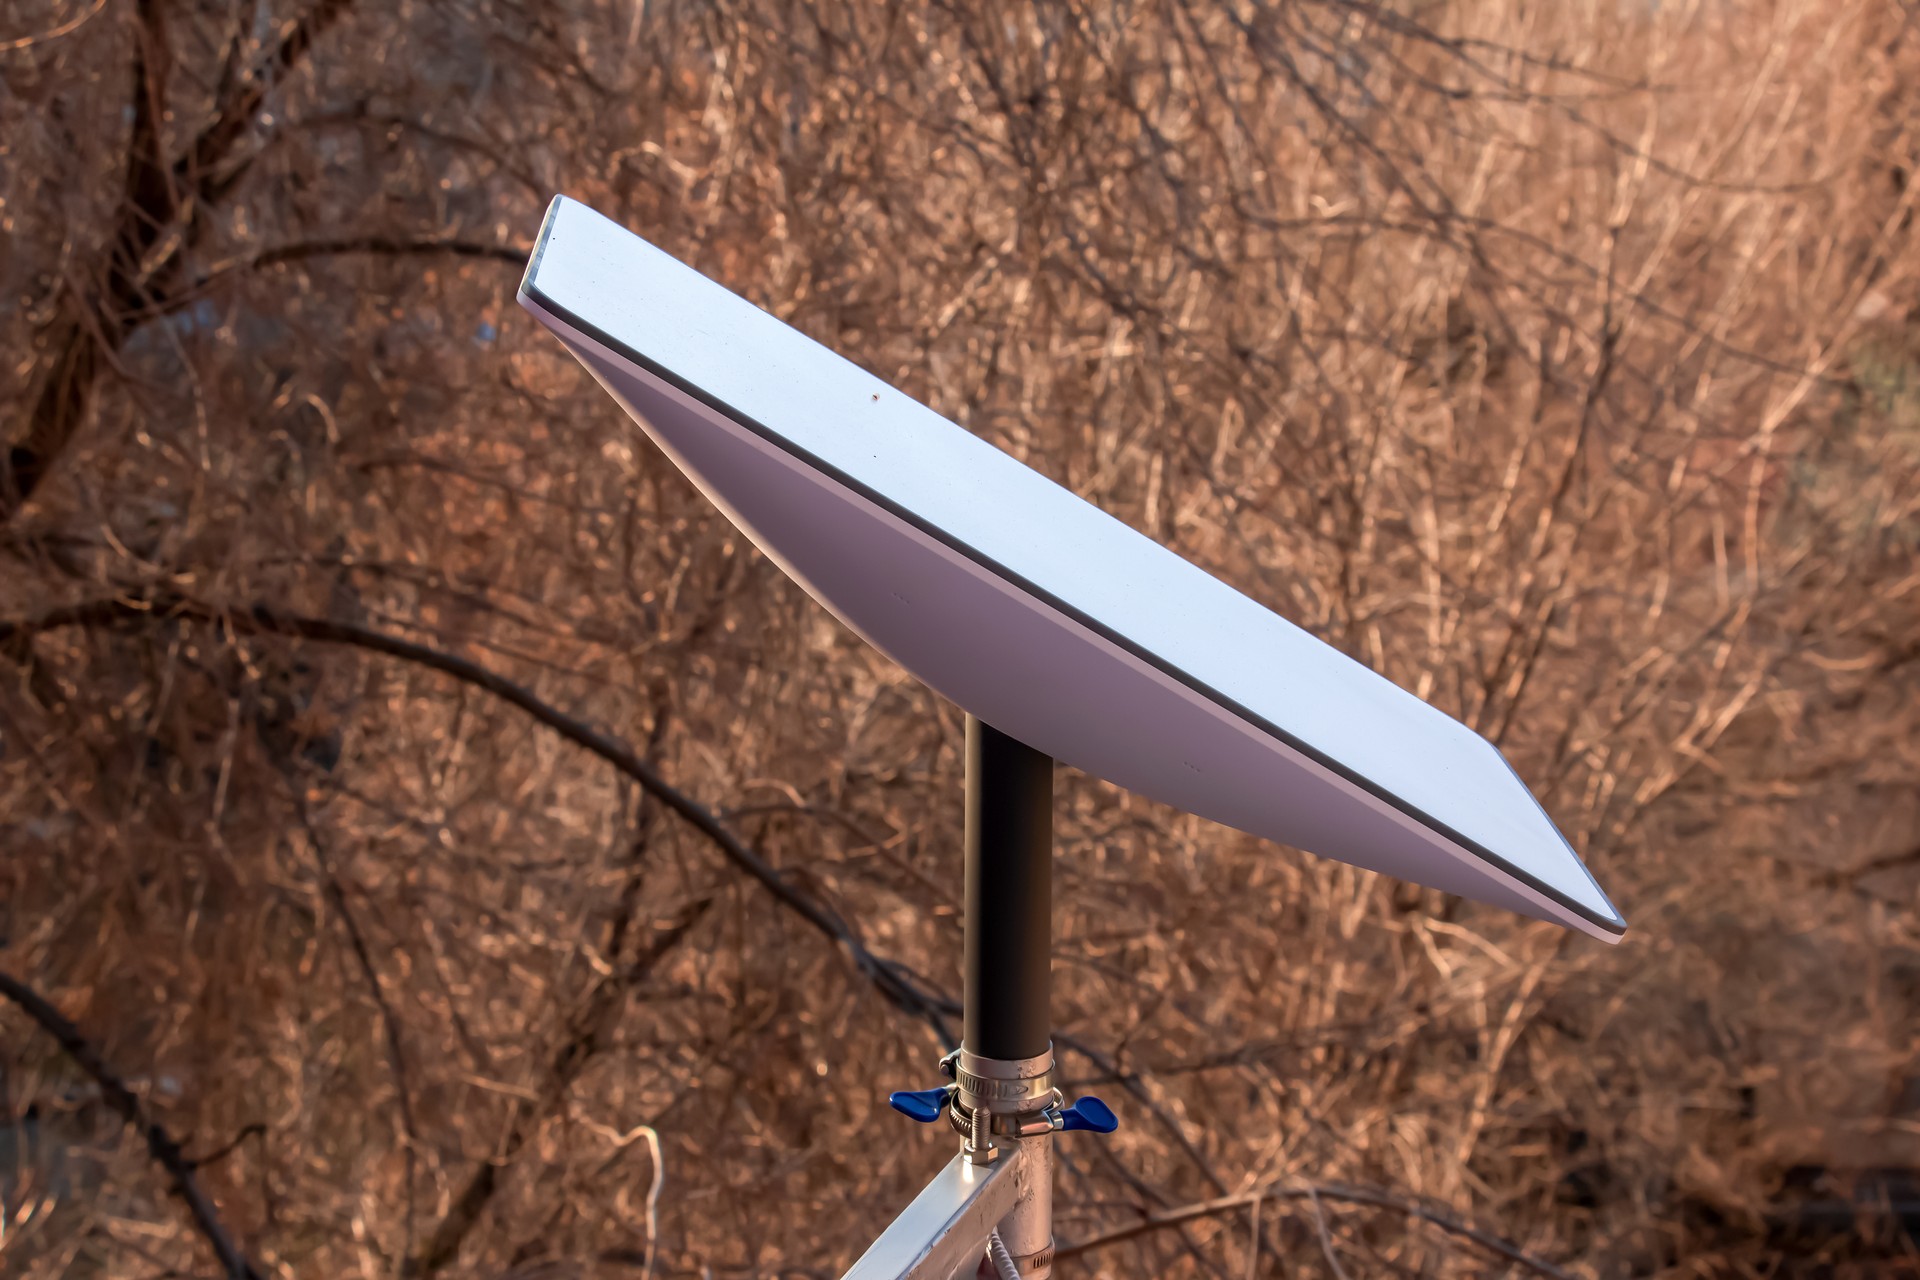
1064 634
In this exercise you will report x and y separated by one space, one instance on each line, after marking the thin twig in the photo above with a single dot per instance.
389 1021
66 28
653 1199
252 1129
1325 1236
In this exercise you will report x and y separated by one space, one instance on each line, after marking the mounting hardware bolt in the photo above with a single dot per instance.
980 1148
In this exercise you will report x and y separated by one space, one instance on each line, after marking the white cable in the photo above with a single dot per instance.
1002 1260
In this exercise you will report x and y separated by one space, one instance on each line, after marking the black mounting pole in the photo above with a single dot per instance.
1009 902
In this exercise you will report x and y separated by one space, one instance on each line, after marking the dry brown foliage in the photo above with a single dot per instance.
1561 361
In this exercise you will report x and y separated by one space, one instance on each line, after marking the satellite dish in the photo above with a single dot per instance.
1034 610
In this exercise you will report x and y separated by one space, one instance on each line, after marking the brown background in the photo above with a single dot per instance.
1561 361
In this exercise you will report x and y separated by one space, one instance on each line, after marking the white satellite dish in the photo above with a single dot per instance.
1034 610
1064 635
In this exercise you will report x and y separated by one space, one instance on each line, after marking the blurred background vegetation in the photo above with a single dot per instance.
1559 360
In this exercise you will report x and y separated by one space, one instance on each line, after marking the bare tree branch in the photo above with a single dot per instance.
1367 1196
893 980
200 163
159 199
165 1150
389 1021
388 247
587 1030
307 250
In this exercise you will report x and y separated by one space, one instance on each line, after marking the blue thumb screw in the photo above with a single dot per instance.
923 1105
1090 1114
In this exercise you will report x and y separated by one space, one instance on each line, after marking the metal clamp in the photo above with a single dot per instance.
999 1097
1004 1086
1011 1098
